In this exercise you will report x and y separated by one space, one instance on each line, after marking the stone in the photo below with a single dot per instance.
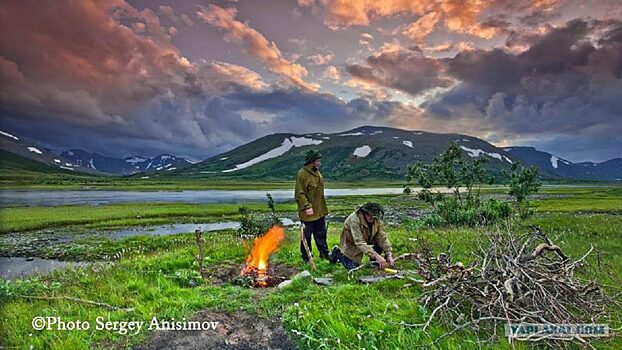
323 281
303 274
374 279
284 284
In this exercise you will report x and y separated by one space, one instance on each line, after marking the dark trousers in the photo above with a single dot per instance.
348 263
316 228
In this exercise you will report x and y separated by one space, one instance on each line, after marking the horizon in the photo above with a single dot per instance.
196 79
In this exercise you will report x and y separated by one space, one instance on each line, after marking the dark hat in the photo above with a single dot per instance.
311 156
373 209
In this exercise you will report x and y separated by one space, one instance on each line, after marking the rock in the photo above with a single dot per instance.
284 284
323 281
303 274
30 258
374 279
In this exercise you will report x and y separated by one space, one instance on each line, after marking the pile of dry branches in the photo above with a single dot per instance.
514 279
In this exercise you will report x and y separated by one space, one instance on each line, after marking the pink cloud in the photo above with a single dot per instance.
254 43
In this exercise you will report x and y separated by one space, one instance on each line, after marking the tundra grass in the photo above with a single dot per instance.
347 315
110 216
154 275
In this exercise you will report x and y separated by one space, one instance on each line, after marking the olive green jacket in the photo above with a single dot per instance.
310 193
357 240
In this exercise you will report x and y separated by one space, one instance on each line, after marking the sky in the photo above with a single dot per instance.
197 78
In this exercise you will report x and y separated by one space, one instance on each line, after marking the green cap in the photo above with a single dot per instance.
311 156
373 209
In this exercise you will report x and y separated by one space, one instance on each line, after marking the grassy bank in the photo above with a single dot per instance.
156 280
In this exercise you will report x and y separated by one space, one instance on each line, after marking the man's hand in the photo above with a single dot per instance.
382 263
390 259
309 211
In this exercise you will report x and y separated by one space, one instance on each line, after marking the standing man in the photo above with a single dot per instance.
311 204
363 235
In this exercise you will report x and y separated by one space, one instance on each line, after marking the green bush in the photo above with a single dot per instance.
463 205
252 225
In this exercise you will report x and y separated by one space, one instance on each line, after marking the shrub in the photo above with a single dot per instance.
463 205
523 182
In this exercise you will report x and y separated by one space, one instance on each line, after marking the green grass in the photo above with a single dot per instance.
117 215
152 276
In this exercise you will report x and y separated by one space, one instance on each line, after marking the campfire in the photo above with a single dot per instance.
257 262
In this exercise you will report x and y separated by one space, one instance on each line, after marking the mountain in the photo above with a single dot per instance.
609 170
15 169
365 153
31 150
127 166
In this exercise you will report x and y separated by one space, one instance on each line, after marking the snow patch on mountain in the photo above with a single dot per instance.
352 134
287 144
35 150
408 144
554 161
362 151
135 159
9 135
474 153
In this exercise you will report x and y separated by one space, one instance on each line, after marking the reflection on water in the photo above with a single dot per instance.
21 267
95 197
174 229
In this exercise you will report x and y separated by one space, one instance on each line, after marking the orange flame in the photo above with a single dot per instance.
263 247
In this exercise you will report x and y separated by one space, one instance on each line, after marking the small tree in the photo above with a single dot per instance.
523 182
248 223
274 218
464 180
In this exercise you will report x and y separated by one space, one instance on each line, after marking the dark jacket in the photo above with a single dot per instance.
309 193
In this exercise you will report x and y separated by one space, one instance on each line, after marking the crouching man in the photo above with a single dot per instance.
363 235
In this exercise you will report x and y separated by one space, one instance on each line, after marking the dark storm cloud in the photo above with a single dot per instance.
405 70
538 17
566 84
108 88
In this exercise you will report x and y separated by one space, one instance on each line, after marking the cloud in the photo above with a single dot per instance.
254 43
331 72
464 17
166 11
229 75
319 59
367 36
186 20
400 69
566 84
104 87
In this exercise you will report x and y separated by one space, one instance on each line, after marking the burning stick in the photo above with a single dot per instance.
304 243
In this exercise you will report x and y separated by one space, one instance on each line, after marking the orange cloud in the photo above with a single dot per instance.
233 73
254 43
460 16
331 72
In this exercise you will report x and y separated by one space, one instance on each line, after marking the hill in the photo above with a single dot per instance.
364 153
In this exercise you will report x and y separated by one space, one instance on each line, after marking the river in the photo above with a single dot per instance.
98 197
